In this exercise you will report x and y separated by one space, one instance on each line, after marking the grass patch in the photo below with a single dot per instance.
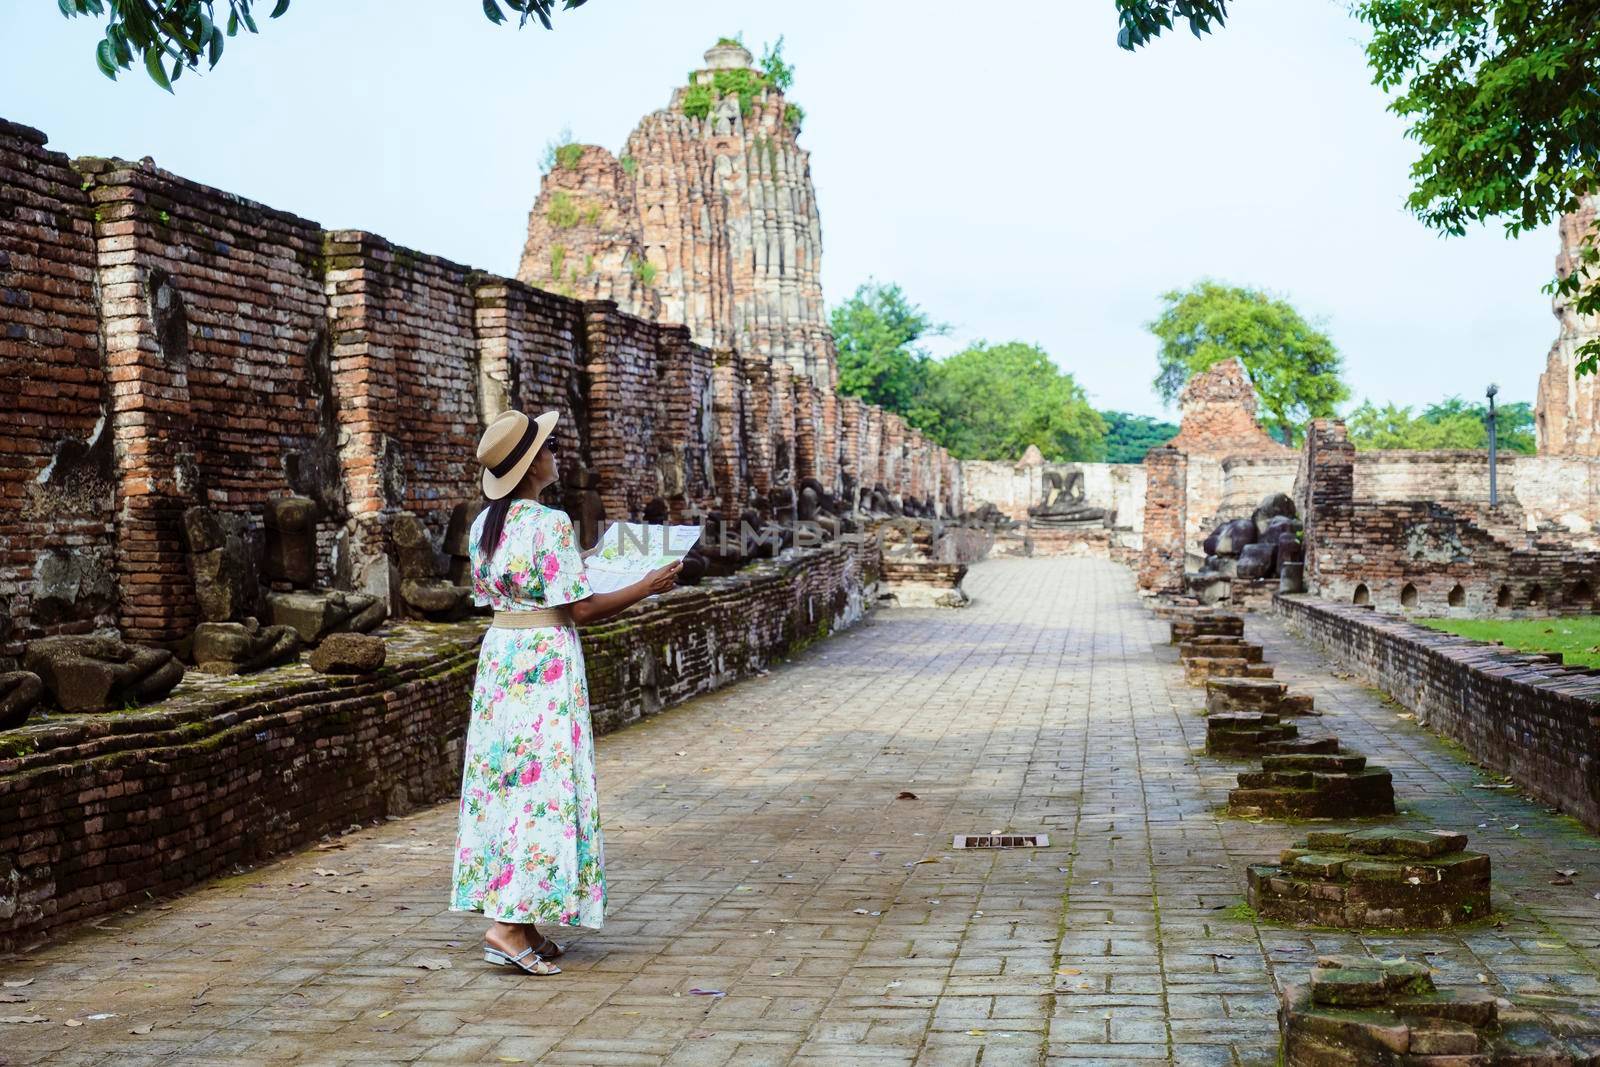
1576 638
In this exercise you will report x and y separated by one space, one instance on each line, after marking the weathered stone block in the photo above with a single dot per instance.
290 553
315 615
242 647
1196 624
19 692
348 654
95 673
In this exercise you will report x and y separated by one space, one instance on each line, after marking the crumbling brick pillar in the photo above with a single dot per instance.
58 571
146 337
1166 490
730 411
1329 494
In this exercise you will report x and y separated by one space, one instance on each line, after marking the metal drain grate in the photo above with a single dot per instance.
1002 841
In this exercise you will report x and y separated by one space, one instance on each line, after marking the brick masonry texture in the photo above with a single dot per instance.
56 493
1521 715
99 812
1420 554
173 345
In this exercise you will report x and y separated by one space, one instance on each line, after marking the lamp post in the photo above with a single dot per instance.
1494 496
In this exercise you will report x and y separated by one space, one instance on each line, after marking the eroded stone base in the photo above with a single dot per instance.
1378 878
1314 787
1255 694
1366 1013
1251 733
1192 624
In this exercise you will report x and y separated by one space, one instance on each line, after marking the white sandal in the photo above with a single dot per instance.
537 967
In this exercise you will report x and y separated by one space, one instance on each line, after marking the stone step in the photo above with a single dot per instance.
1223 648
1344 763
1200 669
1255 694
1364 794
1199 624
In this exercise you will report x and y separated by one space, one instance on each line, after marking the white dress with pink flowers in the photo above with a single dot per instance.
528 843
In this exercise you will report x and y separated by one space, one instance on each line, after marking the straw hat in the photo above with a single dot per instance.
508 447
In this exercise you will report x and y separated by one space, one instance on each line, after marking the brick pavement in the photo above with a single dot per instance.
757 847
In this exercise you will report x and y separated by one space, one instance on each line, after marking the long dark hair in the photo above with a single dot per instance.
494 516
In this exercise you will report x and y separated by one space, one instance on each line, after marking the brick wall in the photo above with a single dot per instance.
57 571
1516 714
104 812
1427 556
173 345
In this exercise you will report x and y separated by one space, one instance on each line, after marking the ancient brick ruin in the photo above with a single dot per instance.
1567 411
173 346
1362 1012
1379 878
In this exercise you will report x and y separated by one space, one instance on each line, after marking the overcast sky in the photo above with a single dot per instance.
1019 175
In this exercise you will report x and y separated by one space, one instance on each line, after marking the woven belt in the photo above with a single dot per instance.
532 620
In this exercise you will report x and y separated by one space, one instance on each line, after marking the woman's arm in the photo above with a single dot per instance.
601 606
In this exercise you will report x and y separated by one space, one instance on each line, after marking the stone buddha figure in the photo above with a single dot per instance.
1063 503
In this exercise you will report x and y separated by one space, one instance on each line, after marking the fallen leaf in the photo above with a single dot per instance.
97 1016
298 885
74 1022
1068 970
17 984
906 794
511 1059
707 992
1568 873
325 872
429 963
142 1028
23 1019
977 1033
202 924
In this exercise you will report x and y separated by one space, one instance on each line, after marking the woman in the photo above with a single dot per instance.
528 843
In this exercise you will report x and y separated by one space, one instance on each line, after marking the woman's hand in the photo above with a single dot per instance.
663 579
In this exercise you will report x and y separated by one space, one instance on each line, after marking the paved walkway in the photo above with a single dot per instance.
757 848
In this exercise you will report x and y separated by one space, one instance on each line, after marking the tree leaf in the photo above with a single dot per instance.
105 57
215 50
152 64
283 5
492 12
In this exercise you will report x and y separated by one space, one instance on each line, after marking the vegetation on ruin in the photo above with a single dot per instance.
562 212
1576 638
167 37
628 165
771 72
558 257
1451 423
1129 437
559 151
644 271
1293 366
1502 96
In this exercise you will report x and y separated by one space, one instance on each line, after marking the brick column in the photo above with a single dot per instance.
1329 494
1166 490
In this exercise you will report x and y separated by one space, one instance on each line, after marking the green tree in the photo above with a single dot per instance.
1503 96
1129 437
1293 366
876 332
1451 423
1143 20
167 37
993 401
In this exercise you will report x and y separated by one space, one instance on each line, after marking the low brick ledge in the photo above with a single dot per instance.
102 811
1518 713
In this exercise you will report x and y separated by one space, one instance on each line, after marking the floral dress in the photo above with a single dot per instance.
528 842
